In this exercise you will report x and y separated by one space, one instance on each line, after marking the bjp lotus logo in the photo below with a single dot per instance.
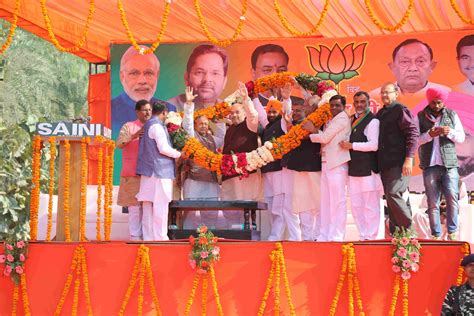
336 64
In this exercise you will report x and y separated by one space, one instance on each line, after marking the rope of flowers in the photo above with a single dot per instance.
460 275
292 30
12 29
203 257
278 269
243 163
76 47
24 293
381 25
67 182
210 37
52 154
109 189
79 268
405 260
35 192
141 269
100 156
461 15
82 213
131 37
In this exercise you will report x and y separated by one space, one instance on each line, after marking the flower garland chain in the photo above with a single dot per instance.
67 178
12 29
205 280
292 30
35 192
100 156
142 266
14 258
276 80
381 25
82 215
24 292
52 153
461 15
109 174
278 269
405 260
465 251
214 40
131 37
53 38
78 267
348 267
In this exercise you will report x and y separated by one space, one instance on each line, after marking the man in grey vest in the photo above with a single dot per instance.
156 166
440 129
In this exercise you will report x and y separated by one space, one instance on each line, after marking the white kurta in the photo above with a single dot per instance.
157 192
366 192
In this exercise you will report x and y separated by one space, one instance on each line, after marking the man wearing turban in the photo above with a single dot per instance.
440 131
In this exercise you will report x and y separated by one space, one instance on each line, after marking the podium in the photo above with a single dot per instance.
74 133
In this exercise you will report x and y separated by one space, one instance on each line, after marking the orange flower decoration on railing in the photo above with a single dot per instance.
336 63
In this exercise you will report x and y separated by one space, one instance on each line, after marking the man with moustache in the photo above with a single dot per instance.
241 137
129 181
440 131
365 186
139 77
398 138
465 57
206 74
334 169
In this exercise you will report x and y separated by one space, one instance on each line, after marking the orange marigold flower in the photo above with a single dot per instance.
203 229
191 239
202 240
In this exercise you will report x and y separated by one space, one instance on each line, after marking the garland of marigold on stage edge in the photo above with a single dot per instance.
100 155
67 178
109 166
12 29
82 215
277 269
142 266
79 267
35 192
24 292
53 38
456 9
381 25
293 31
210 37
465 251
106 189
131 37
52 153
205 280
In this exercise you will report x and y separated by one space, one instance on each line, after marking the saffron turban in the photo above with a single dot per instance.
433 93
275 104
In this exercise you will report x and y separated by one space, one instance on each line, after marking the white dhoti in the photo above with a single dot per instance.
333 203
306 202
278 186
155 194
366 193
250 188
200 190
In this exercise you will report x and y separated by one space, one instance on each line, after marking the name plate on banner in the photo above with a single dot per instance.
69 129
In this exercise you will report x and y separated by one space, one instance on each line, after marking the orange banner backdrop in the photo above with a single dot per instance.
313 270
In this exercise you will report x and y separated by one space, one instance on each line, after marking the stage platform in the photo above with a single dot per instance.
313 270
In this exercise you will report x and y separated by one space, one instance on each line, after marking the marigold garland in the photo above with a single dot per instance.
12 29
67 177
396 289
381 25
460 276
276 80
109 173
35 192
78 267
82 215
131 37
141 268
349 268
100 155
76 47
461 15
24 292
278 269
52 152
292 30
214 40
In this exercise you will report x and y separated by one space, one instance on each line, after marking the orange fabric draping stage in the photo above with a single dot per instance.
313 270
